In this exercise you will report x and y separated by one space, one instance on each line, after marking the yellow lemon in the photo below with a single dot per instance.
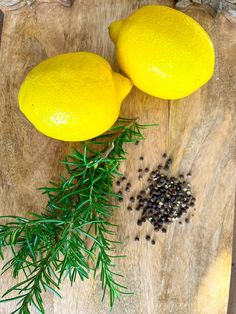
73 97
164 52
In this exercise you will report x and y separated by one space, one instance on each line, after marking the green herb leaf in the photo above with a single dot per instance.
72 236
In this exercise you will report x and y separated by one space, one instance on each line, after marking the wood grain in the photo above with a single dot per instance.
226 7
188 270
232 292
18 4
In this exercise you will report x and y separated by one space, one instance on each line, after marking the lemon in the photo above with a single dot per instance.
73 97
164 52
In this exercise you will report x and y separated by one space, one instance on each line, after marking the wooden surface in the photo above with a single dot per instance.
226 7
188 270
18 4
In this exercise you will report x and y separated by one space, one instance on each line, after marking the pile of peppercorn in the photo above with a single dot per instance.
165 199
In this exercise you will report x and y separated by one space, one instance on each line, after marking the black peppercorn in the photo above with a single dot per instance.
120 196
165 199
131 199
169 161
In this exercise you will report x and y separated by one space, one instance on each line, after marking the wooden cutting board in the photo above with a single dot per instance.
188 270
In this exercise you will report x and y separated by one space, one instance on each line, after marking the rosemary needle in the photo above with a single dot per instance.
72 236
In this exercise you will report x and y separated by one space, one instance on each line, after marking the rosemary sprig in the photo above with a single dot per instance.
72 236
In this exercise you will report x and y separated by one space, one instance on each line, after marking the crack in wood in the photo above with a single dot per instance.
1 25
